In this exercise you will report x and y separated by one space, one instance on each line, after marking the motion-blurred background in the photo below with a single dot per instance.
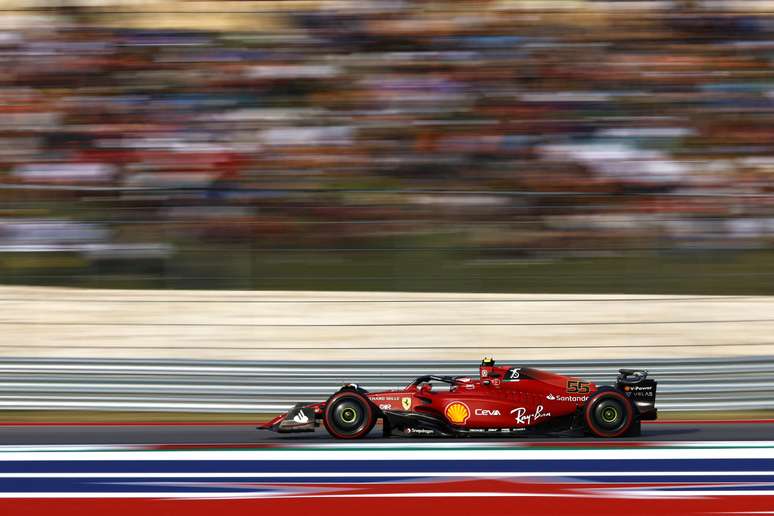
565 146
544 148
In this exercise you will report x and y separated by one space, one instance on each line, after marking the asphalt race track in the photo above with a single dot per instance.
244 434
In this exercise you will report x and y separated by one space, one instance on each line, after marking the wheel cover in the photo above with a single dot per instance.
610 415
349 415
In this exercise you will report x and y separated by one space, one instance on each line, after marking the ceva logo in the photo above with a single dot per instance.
487 412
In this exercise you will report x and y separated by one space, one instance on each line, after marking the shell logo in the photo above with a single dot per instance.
457 412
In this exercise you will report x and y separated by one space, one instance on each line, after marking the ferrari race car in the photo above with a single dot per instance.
504 400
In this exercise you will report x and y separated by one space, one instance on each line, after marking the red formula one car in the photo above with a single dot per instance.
504 400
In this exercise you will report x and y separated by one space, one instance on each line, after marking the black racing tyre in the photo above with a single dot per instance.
609 414
349 415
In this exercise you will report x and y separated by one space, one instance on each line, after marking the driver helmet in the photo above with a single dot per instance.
487 365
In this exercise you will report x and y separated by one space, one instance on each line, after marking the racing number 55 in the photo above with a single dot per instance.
577 387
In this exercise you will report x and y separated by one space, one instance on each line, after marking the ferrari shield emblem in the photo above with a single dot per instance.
406 402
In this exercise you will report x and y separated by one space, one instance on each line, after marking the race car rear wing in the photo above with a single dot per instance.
636 385
631 376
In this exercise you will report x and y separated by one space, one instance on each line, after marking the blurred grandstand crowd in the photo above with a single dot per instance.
477 127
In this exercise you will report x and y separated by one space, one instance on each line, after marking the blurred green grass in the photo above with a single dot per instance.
424 270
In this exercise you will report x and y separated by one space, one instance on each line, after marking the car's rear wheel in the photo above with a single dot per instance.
349 415
609 414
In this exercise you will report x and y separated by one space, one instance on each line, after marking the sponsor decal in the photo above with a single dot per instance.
484 373
384 398
301 418
496 430
385 406
559 397
419 431
642 391
470 386
464 379
523 418
405 403
457 412
486 412
513 374
496 381
578 387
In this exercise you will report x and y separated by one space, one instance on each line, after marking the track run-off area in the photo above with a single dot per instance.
683 468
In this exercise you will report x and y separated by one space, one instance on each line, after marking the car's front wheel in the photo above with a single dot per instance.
609 414
349 415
